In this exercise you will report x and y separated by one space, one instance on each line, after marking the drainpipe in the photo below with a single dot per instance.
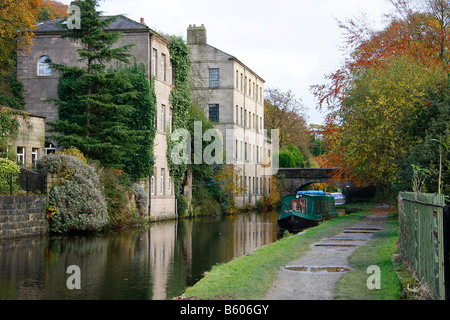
257 146
245 126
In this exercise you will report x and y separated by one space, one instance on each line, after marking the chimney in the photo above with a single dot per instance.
142 21
196 35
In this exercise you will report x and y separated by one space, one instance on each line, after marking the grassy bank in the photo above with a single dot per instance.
249 277
377 252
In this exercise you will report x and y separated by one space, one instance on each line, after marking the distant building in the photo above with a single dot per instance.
232 96
29 142
41 82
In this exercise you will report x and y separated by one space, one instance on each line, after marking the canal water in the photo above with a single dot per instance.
156 263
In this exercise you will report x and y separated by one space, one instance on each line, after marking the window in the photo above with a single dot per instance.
237 144
237 114
163 116
163 173
249 87
242 116
34 156
237 79
214 78
170 120
21 155
170 185
153 187
44 68
50 148
242 83
171 72
163 67
245 157
214 113
154 60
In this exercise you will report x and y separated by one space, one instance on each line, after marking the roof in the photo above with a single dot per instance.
121 23
20 112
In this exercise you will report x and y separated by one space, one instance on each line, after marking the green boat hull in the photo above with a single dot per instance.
299 212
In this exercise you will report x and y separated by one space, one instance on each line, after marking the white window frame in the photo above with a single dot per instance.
163 67
21 155
43 68
163 173
153 185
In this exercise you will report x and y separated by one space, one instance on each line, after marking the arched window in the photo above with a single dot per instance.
44 68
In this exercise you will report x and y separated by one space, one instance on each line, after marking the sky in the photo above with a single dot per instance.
291 44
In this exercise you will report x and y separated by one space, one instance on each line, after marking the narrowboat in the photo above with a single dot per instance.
305 209
339 198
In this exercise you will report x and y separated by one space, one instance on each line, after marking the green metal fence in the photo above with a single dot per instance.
422 239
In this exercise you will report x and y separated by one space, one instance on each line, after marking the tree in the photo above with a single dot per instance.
283 111
374 99
95 104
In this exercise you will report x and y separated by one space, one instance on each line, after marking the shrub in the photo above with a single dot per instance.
8 166
76 202
141 198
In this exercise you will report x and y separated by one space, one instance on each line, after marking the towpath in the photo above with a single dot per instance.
314 275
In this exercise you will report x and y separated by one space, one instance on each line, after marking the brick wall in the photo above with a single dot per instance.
22 216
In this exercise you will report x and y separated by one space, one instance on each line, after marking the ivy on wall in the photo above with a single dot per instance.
181 100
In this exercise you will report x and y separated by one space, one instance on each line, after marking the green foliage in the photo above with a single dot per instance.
107 114
378 111
8 128
8 166
291 157
181 100
116 188
76 201
430 152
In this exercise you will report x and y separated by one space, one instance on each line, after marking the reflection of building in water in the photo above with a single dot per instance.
251 232
162 247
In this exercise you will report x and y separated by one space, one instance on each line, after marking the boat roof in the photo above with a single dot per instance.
312 193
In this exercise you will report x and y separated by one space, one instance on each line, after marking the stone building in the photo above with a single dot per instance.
40 83
232 96
29 142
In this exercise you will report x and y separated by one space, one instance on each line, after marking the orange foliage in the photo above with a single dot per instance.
420 35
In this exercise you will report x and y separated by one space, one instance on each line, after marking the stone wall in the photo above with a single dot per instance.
22 217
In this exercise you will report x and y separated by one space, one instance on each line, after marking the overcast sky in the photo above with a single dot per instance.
291 44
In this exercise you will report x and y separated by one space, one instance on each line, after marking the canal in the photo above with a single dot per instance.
156 263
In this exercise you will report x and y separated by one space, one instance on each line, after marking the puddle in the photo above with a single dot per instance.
336 245
347 239
307 269
364 229
360 231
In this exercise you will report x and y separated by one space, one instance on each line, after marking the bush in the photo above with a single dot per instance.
8 166
76 202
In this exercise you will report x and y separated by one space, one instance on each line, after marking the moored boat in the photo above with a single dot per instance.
339 198
305 209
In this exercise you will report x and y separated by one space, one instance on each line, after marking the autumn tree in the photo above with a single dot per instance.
18 20
285 112
373 99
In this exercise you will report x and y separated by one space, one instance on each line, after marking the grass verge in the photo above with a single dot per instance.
378 252
249 277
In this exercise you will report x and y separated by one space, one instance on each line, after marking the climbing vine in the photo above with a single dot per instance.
180 99
9 127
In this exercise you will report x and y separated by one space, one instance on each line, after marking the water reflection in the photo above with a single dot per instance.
157 263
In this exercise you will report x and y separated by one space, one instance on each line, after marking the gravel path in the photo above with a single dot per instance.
314 276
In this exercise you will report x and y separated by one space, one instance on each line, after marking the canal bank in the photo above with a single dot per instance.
263 274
